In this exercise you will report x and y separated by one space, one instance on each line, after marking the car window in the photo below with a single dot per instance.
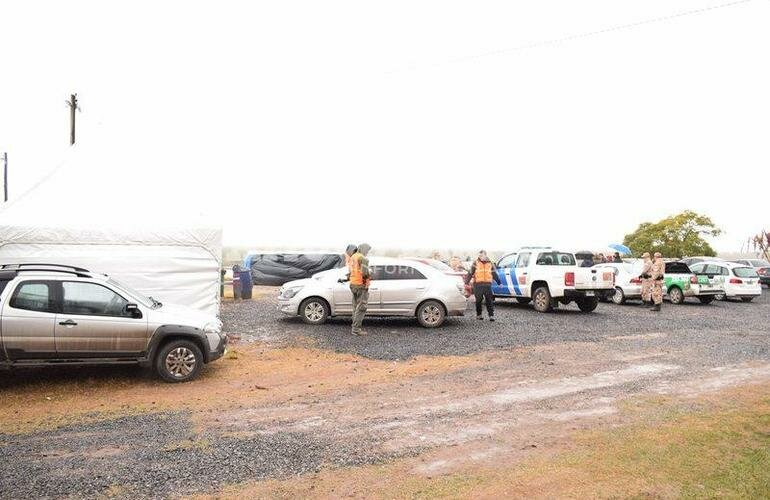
523 260
759 263
398 272
33 296
697 268
745 272
507 261
555 259
677 268
91 299
713 269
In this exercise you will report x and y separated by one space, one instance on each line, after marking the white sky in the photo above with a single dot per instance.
331 122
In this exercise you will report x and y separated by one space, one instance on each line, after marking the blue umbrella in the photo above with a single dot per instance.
620 248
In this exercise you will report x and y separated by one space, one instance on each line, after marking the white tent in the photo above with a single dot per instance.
104 214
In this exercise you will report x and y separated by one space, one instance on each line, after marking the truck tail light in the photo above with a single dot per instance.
736 281
569 279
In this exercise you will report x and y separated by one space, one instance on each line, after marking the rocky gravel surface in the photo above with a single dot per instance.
717 333
158 455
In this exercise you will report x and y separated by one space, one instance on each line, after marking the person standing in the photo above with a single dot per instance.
349 251
483 272
646 280
359 278
236 282
657 270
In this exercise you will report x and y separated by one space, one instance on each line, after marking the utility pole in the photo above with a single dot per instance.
5 176
73 104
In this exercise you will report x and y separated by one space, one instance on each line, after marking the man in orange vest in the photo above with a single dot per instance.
359 278
349 251
483 272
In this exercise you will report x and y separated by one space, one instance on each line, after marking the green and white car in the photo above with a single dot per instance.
680 282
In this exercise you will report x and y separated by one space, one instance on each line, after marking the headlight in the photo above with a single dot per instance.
291 292
213 327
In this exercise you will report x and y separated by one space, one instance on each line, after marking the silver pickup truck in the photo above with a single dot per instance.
55 314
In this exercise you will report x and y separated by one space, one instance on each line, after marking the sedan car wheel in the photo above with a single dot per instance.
676 295
431 314
314 311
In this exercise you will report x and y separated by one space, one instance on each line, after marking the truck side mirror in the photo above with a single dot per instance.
133 311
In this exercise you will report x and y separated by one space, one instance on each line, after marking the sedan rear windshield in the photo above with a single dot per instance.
555 259
677 268
745 272
759 263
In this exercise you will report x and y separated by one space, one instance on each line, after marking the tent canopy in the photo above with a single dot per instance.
104 214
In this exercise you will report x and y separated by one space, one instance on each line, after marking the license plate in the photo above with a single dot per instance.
589 294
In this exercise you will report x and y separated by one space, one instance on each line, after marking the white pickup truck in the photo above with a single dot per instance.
549 277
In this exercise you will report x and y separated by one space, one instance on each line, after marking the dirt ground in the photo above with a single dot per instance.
553 419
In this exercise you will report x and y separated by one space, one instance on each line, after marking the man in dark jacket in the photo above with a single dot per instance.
483 272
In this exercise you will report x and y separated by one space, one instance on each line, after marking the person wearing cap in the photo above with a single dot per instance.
483 272
359 277
646 280
657 270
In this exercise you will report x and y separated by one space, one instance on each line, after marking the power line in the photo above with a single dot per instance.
578 36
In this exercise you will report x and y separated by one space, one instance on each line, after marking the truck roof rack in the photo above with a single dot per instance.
47 268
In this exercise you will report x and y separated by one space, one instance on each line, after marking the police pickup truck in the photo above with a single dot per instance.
548 277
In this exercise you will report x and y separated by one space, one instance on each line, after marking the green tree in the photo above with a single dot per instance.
680 235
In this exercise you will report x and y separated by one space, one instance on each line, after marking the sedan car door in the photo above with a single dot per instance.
401 288
94 322
343 297
28 321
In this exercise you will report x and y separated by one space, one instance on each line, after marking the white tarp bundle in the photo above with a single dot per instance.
108 217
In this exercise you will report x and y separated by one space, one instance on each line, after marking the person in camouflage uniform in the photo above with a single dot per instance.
656 271
646 280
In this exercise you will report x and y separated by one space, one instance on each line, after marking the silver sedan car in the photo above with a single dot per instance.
399 287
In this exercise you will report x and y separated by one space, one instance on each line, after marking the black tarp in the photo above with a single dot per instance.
278 268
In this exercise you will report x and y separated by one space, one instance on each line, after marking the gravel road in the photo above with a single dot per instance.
720 332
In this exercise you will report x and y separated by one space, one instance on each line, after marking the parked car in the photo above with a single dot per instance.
694 260
679 282
761 266
738 281
55 314
549 277
444 268
399 287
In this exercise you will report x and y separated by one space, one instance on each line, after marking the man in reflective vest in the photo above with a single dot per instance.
359 278
349 251
482 273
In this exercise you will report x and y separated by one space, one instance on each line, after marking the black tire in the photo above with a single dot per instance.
431 314
587 304
542 299
523 300
178 361
747 299
675 295
619 297
720 296
314 311
708 299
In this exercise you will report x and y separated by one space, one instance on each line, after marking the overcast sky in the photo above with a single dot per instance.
413 124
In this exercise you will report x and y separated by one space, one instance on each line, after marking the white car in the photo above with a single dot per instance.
738 280
399 287
628 286
549 277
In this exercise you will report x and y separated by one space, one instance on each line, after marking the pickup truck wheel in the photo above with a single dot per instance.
523 300
179 361
587 304
706 300
542 300
619 297
314 311
675 295
431 314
